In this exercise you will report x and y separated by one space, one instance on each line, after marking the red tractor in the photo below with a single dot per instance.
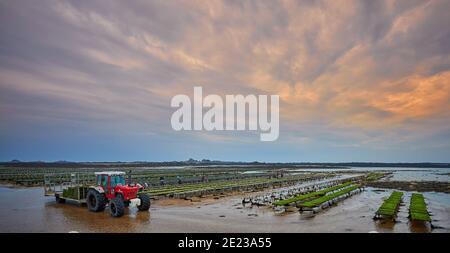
111 187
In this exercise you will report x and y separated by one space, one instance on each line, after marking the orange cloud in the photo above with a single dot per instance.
423 97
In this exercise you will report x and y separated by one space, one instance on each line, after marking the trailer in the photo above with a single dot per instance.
97 190
68 186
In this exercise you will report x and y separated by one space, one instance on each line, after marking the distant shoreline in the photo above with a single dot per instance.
220 163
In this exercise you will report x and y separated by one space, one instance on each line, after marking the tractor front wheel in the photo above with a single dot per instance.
95 201
116 207
145 202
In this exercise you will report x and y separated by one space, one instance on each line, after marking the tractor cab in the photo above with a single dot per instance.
110 179
113 184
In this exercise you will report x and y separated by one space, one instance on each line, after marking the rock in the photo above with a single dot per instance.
307 213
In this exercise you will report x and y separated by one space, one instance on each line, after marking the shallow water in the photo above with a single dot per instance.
27 210
398 174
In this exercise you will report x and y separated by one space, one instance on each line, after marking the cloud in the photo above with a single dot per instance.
349 73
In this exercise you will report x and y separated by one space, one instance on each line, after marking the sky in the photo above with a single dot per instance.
93 80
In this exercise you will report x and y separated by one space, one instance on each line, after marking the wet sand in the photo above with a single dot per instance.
27 210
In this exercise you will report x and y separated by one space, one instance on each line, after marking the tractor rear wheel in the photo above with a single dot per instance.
145 202
59 199
95 201
116 207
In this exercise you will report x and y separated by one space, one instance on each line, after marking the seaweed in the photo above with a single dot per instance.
323 199
373 176
418 208
390 206
310 195
192 188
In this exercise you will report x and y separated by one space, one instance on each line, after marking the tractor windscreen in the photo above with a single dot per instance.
117 179
102 180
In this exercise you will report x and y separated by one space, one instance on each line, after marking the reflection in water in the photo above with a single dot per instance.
83 220
419 227
385 225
